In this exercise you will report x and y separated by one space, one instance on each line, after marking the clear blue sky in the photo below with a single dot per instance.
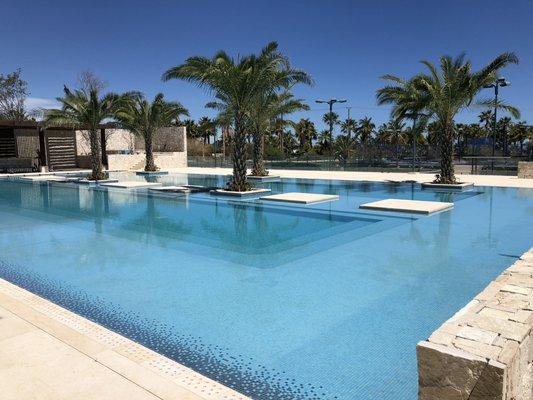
345 45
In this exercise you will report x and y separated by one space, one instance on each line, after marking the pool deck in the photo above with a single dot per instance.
478 180
50 353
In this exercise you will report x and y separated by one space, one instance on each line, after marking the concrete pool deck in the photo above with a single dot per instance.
478 180
50 353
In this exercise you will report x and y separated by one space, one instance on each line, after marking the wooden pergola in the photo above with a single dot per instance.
40 128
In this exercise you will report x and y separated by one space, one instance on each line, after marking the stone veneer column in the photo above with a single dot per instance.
485 351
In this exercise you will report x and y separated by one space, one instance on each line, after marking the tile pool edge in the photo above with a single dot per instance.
146 368
486 348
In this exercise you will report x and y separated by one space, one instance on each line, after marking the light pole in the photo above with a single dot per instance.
330 102
500 82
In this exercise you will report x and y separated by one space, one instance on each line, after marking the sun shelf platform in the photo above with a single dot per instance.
151 173
409 206
43 178
86 181
266 178
452 186
231 193
301 198
131 184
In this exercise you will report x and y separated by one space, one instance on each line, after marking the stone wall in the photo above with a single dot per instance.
485 351
525 169
116 140
171 139
136 161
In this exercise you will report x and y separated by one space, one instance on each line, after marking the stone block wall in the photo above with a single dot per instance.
116 140
171 139
136 161
485 351
525 169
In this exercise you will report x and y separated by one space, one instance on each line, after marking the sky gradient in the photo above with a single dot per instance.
344 45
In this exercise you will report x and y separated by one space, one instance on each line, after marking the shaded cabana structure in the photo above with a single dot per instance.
27 146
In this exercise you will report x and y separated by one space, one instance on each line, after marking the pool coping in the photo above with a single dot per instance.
157 374
485 348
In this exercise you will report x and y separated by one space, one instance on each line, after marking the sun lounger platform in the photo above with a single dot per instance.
409 206
131 184
301 198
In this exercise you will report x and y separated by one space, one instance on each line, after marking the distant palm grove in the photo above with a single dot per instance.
254 100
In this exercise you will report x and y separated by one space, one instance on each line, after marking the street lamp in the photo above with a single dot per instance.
500 82
330 102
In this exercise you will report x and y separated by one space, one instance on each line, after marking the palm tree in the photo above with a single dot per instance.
365 130
344 147
268 108
306 132
136 114
348 126
85 109
446 92
332 119
237 84
521 132
206 129
191 128
324 141
486 118
405 98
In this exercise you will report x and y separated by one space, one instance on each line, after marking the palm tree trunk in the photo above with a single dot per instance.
149 150
238 181
96 156
258 152
447 174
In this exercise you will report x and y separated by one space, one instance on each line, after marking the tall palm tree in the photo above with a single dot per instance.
348 126
206 129
405 98
520 133
192 128
267 109
237 84
85 109
344 147
365 129
306 132
445 92
143 118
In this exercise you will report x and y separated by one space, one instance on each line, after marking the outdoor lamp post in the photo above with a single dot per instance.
500 82
330 102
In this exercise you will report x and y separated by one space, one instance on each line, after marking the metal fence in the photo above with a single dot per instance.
466 165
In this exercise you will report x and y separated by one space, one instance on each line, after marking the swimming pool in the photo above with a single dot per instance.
276 301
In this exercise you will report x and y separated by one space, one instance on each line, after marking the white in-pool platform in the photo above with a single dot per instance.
301 198
171 189
410 206
231 193
43 178
131 184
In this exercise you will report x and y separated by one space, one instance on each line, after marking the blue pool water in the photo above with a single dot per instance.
277 301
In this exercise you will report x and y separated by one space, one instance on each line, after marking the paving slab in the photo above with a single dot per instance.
151 173
452 186
301 198
231 193
131 184
267 178
171 189
101 181
43 178
410 206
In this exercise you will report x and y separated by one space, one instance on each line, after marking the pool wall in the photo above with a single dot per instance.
153 372
485 351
